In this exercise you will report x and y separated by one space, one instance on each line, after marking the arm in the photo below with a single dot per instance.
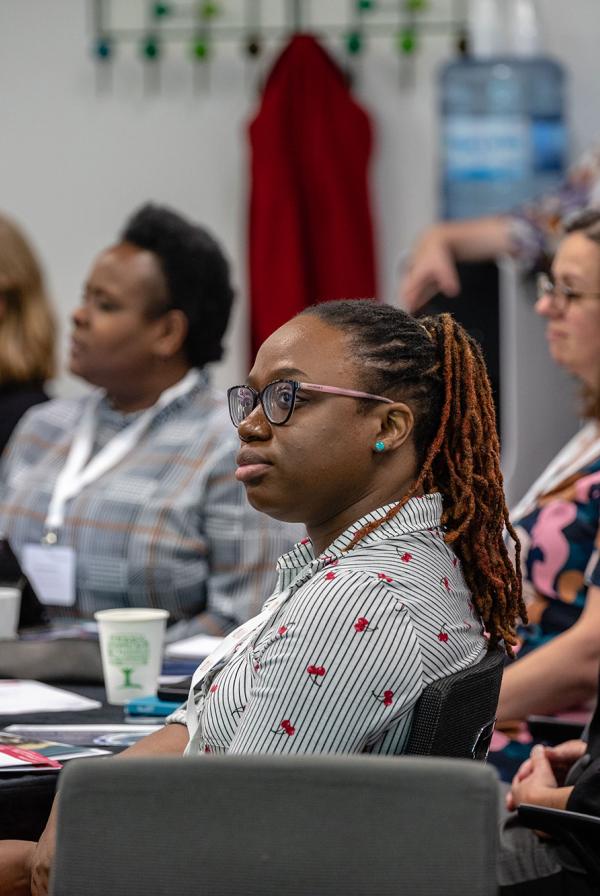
170 740
558 675
432 266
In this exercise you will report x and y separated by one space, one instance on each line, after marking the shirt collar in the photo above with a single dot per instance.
417 515
119 419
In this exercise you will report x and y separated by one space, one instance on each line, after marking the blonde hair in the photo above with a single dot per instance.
27 324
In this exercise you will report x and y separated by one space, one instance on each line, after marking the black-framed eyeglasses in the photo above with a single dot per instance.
561 295
278 399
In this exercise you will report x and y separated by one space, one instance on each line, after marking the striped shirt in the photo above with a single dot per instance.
341 664
168 526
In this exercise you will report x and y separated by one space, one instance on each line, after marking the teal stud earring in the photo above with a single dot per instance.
379 447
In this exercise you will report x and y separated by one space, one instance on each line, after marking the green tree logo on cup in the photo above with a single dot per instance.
128 652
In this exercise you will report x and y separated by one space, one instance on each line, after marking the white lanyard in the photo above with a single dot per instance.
235 642
79 471
580 450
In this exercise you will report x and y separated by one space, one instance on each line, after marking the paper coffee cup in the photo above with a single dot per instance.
131 642
10 604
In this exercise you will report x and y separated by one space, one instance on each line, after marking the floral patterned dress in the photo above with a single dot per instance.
560 539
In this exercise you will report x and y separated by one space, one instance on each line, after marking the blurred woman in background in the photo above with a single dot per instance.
27 329
558 520
134 483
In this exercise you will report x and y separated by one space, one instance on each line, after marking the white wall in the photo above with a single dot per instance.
77 160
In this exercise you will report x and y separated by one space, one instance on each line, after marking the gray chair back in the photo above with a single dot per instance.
455 716
264 825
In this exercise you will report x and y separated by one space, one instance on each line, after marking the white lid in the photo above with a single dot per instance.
130 614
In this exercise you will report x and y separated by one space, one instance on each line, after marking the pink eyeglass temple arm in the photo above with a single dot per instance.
351 393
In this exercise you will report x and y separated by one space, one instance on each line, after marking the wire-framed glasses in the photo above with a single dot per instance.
278 399
561 295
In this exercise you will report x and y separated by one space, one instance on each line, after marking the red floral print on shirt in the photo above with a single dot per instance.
330 576
445 583
384 577
443 635
315 673
362 624
286 726
213 688
406 557
387 698
282 630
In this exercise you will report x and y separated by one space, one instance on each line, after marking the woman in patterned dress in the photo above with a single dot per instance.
558 521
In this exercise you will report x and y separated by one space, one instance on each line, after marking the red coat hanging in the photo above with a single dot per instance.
311 233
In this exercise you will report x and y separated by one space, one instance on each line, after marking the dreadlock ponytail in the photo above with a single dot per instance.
463 462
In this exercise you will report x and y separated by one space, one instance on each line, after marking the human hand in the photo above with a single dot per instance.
561 758
536 783
564 755
15 866
430 269
42 859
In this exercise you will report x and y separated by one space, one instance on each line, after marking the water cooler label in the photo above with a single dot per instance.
487 148
549 139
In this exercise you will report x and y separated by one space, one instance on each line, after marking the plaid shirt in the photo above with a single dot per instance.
168 526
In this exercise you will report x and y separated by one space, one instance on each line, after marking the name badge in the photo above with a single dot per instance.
51 571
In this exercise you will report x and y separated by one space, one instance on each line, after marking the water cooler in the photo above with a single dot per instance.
504 141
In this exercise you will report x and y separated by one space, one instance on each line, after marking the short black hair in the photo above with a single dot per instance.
196 274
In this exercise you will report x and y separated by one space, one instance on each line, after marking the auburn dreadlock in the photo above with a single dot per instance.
437 368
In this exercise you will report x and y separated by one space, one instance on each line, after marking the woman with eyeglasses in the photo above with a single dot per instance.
377 432
558 520
27 329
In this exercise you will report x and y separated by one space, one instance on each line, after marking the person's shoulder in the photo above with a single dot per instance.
58 412
404 556
344 576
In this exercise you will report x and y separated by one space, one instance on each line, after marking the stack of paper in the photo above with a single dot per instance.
20 696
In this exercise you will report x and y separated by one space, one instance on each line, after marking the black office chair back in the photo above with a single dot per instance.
455 716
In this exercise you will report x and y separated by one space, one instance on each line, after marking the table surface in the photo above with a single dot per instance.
25 799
